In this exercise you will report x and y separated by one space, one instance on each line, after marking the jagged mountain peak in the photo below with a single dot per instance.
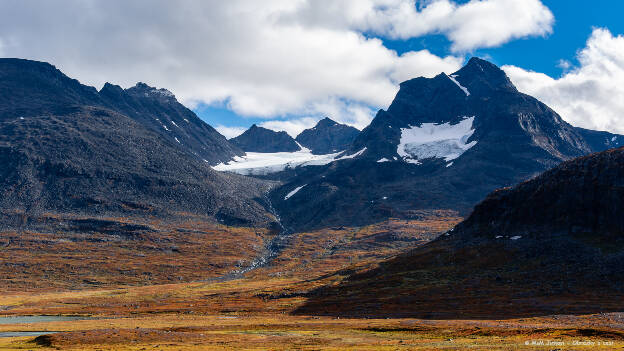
325 122
111 88
260 139
148 91
327 136
481 77
481 92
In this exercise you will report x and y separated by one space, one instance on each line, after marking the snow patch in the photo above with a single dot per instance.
613 139
464 89
293 192
22 118
498 236
384 198
413 161
164 126
516 237
449 164
383 160
430 140
176 138
186 120
174 123
352 156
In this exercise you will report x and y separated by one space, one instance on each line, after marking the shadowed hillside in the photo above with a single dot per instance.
551 245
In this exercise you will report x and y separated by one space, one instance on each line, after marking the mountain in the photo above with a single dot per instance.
67 149
599 140
444 143
327 137
31 87
159 110
551 245
475 111
258 139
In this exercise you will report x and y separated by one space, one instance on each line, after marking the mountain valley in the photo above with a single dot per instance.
125 206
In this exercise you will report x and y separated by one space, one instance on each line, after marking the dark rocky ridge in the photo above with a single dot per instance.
31 87
327 137
258 139
599 140
551 245
159 110
66 149
517 137
581 198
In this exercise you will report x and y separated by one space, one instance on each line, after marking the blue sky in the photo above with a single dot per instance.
574 22
286 64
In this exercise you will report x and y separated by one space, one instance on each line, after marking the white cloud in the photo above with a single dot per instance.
295 60
590 95
345 112
292 126
239 51
475 24
230 132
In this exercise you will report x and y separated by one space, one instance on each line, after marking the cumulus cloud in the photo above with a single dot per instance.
475 24
346 112
238 51
265 58
229 132
590 95
292 126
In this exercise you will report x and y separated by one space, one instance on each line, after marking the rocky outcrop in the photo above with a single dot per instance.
258 139
327 137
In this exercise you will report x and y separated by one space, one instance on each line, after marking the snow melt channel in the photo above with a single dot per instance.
430 140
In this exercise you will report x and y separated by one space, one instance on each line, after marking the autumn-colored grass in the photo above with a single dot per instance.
252 312
63 259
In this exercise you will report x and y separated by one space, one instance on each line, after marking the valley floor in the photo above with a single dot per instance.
254 311
249 314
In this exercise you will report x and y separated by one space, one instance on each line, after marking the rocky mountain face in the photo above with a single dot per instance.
67 149
541 247
495 115
258 139
159 110
444 143
600 141
327 137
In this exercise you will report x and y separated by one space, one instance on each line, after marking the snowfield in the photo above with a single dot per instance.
293 192
447 141
259 163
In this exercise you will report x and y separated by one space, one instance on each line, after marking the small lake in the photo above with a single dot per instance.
25 333
34 319
39 319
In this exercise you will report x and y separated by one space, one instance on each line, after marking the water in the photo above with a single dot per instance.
33 319
38 319
26 333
